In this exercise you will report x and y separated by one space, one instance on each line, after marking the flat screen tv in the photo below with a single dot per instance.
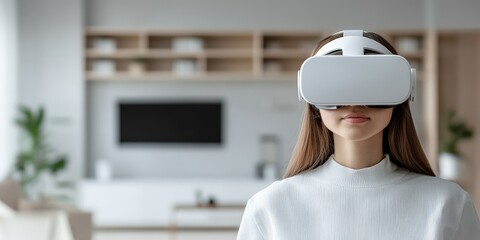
170 122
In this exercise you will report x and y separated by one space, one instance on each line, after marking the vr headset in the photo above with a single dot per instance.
331 81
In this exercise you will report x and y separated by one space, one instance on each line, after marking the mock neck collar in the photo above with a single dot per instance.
383 173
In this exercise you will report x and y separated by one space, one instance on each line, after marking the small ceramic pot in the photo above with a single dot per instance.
451 166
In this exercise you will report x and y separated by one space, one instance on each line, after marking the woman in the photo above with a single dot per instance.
359 172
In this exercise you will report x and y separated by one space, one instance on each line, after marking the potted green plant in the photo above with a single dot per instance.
35 157
450 162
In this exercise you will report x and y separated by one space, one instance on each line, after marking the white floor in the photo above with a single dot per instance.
163 235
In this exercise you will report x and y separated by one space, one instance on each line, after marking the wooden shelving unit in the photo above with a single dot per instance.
411 45
257 55
285 52
161 55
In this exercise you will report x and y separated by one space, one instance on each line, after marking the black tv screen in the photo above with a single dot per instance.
171 122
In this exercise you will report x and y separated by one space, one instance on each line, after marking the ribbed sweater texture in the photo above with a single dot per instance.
382 202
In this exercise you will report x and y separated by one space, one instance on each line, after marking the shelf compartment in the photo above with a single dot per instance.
146 67
305 43
234 42
234 65
286 53
176 43
197 43
158 65
408 43
228 53
106 66
281 65
159 42
177 66
163 53
112 42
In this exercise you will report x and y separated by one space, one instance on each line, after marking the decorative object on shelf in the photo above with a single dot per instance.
35 161
103 67
104 44
450 162
199 197
187 44
184 67
103 170
212 202
136 66
267 167
409 44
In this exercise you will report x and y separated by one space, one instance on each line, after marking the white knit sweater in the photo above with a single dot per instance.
382 202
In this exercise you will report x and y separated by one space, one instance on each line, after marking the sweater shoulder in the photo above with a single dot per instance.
437 186
436 182
279 190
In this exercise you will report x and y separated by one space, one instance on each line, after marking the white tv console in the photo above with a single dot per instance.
153 203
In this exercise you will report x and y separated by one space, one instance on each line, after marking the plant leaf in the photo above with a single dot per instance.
40 116
58 165
458 130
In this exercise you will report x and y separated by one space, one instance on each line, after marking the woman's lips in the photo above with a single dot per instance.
355 118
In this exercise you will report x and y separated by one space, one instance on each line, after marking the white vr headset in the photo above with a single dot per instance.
353 78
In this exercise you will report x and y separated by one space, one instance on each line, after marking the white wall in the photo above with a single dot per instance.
256 14
459 14
250 110
284 14
8 74
50 72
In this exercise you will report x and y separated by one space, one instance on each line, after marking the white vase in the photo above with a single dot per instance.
103 170
269 172
36 189
450 166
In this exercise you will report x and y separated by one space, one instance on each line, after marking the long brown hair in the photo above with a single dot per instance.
315 142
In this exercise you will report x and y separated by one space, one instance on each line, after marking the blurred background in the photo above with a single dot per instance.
159 119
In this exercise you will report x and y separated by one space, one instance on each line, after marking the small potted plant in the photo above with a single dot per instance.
450 161
35 159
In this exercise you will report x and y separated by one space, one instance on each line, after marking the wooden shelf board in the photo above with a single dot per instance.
213 76
286 53
173 54
227 53
299 33
112 32
142 77
197 33
402 33
211 53
121 53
